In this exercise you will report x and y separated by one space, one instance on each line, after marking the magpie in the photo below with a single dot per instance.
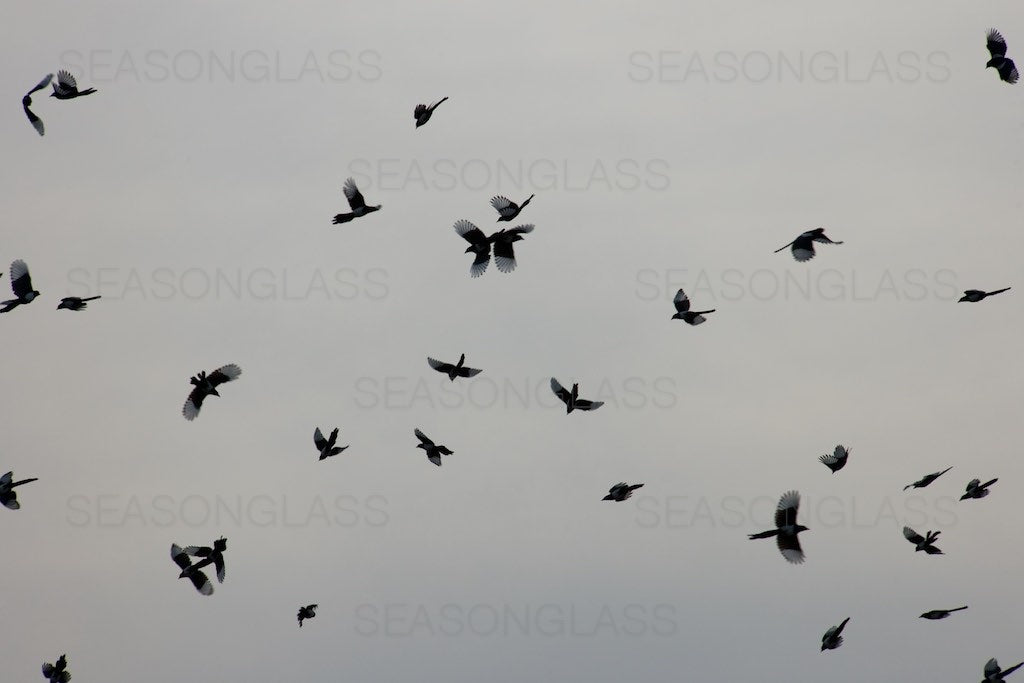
837 460
307 612
21 285
999 61
993 674
975 489
453 371
76 303
571 399
925 542
684 313
803 246
214 556
506 208
940 613
67 89
621 491
9 497
355 202
26 102
927 479
327 447
975 295
434 451
786 529
832 638
422 112
207 386
58 671
198 578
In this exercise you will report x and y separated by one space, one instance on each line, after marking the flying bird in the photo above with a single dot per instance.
837 460
925 542
214 556
940 613
26 102
508 209
422 112
927 479
355 202
621 491
9 497
786 529
58 671
974 295
993 674
975 489
206 385
76 303
327 447
307 612
198 578
832 638
453 371
434 451
21 285
67 89
504 255
480 246
571 399
999 61
683 311
803 246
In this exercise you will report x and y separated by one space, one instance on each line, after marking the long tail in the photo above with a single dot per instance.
24 481
998 291
781 248
92 298
764 534
703 312
957 609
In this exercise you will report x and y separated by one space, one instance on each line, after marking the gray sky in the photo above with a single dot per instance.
669 145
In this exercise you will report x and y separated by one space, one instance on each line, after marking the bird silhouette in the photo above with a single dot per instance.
67 89
832 638
26 102
8 496
925 542
621 491
684 313
453 371
940 613
571 399
434 451
786 529
926 479
422 112
197 577
327 447
803 246
999 61
993 674
504 255
75 303
21 285
207 386
356 202
211 555
480 246
508 209
975 489
975 295
58 671
837 460
307 612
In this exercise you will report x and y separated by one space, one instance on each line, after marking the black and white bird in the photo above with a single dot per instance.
975 295
26 102
480 246
197 577
210 555
993 674
786 529
975 489
926 479
327 447
434 451
307 612
925 542
999 61
206 385
940 613
504 254
21 285
422 112
506 208
453 371
67 89
571 399
832 638
837 459
8 496
684 313
356 202
803 246
76 303
58 671
621 491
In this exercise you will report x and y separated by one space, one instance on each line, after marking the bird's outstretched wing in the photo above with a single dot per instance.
424 439
790 548
560 391
418 111
504 206
995 43
65 84
318 439
21 281
681 301
786 511
353 195
440 366
912 535
224 373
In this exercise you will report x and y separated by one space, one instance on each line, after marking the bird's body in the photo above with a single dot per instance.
833 638
975 295
67 89
571 399
837 459
993 674
926 479
58 671
940 613
925 543
434 451
206 385
26 102
21 285
75 303
786 531
356 202
327 447
8 496
307 612
210 555
621 491
998 60
197 577
683 312
803 246
453 371
506 208
975 489
422 112
480 246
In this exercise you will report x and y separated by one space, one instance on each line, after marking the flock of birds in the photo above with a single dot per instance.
787 529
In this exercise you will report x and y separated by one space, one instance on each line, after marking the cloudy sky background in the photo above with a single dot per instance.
669 145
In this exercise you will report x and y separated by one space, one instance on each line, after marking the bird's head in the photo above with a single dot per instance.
220 544
991 62
421 445
214 392
800 527
63 304
964 298
609 497
185 572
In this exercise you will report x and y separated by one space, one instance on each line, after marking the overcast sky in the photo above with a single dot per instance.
670 144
